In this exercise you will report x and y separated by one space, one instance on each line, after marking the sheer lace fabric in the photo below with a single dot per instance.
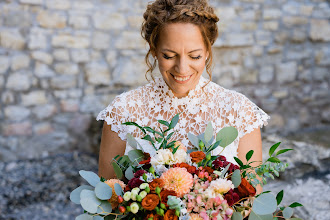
207 102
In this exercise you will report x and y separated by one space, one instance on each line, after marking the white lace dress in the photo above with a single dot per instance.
147 104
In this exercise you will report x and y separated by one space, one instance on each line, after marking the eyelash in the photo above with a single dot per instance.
195 58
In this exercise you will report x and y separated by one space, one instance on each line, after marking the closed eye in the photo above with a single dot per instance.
167 57
196 58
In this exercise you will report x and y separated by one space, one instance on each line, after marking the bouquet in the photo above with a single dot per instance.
176 183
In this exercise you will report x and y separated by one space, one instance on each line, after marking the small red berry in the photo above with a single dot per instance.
122 209
120 199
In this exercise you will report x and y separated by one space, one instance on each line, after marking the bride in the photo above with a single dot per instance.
180 34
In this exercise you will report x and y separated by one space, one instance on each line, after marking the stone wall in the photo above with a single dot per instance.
62 61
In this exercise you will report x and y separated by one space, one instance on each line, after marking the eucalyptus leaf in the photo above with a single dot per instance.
103 191
264 204
236 178
164 122
131 141
117 169
227 135
254 216
97 217
90 177
89 201
208 134
287 212
84 217
75 194
193 139
174 121
118 190
279 197
273 148
237 216
135 155
224 171
104 208
129 173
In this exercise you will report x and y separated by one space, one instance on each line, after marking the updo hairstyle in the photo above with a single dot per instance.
162 12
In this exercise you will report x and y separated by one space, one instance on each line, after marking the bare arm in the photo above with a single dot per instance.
111 146
251 141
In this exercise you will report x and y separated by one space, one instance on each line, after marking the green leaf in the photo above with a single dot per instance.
103 191
164 122
227 135
90 177
105 207
208 134
240 163
75 194
236 178
148 138
237 216
118 190
89 201
295 204
222 175
274 160
97 217
169 136
135 124
282 151
84 217
249 155
273 148
279 197
254 216
131 141
149 129
193 139
117 169
174 121
135 155
287 212
264 204
129 173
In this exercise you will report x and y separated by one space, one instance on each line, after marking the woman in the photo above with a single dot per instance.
180 34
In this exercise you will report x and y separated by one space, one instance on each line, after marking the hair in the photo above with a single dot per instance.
162 12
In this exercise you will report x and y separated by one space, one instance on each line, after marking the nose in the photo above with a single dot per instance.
182 66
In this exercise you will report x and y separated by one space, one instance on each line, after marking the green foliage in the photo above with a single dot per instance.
118 190
89 201
103 191
227 135
249 155
90 177
237 216
279 197
84 217
287 212
295 204
236 178
264 204
75 194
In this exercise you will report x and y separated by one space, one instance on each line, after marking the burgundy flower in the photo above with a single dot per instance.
134 182
139 173
232 197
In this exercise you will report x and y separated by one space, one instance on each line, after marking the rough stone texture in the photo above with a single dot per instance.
69 41
20 62
320 30
34 98
12 39
19 81
48 19
42 57
108 21
4 64
97 74
286 72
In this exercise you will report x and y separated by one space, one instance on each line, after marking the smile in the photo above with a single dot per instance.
181 79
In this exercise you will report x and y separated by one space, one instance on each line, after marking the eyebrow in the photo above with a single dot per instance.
175 52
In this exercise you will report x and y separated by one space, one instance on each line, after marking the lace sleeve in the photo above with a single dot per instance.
250 117
115 114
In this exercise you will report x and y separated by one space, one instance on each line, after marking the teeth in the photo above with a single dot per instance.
181 78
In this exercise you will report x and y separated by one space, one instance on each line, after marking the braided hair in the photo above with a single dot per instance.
162 12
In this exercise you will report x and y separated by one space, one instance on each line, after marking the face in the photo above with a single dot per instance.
181 55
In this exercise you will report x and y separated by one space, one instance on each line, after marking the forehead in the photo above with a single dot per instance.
180 35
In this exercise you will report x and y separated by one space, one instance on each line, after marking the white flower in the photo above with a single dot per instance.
144 185
127 196
134 207
162 156
135 190
143 194
218 187
180 156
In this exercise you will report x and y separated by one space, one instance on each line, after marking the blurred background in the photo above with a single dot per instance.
63 61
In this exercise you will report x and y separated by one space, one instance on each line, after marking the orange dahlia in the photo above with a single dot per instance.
114 198
177 179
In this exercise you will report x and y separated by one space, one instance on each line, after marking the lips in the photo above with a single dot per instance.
181 79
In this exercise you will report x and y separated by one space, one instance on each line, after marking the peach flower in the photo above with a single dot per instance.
177 179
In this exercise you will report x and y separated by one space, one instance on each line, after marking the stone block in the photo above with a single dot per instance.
2 82
32 2
63 82
250 15
238 40
7 97
4 64
80 55
321 74
252 1
270 25
290 21
20 61
48 19
262 92
101 41
286 72
12 39
298 55
257 50
109 21
43 128
79 21
281 37
226 13
92 104
306 10
16 113
321 10
61 55
83 5
298 36
263 37
70 105
97 73
291 9
17 18
281 94
19 81
249 76
58 4
266 74
37 97
135 21
37 39
44 111
249 26
80 123
130 40
272 14
17 129
42 70
274 49
42 57
67 68
320 30
69 41
322 57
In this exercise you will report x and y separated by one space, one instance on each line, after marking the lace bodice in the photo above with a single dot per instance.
207 102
